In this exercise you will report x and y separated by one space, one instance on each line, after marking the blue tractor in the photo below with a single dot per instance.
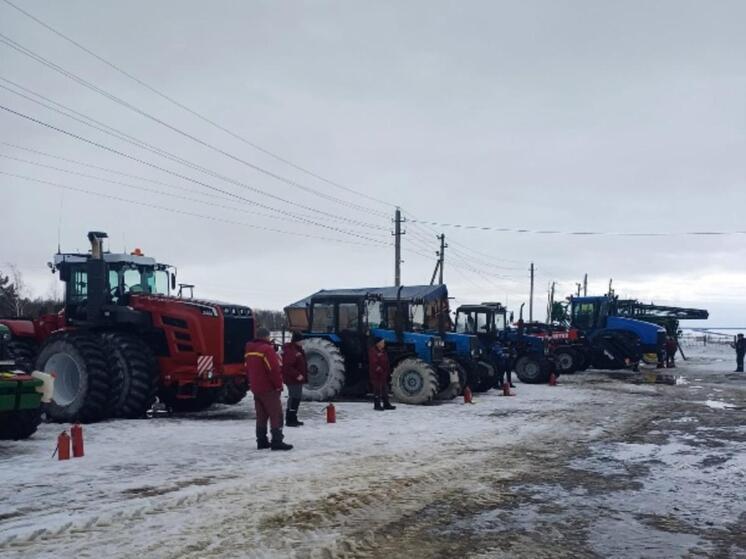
509 348
428 311
338 326
612 341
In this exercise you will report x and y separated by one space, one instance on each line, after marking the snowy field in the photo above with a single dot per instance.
594 467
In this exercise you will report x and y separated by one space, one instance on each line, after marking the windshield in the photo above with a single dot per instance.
139 279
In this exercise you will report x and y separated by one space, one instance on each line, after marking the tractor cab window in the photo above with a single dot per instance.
323 318
584 315
132 281
78 285
465 323
349 317
156 281
373 311
417 317
482 324
499 322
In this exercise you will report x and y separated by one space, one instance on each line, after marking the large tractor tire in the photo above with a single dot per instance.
22 353
414 382
531 370
452 389
134 375
19 424
488 377
567 360
326 370
82 384
234 390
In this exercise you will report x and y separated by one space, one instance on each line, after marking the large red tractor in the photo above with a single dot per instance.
123 338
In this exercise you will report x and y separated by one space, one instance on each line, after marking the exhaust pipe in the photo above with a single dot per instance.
97 244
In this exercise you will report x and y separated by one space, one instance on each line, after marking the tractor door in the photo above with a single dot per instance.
350 331
76 291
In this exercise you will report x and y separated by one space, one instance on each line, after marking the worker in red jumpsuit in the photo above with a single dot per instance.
265 381
379 371
295 375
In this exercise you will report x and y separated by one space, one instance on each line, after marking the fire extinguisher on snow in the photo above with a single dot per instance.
331 413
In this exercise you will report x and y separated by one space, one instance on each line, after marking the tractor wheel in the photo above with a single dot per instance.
531 370
234 390
567 360
23 353
82 383
584 359
414 382
205 398
487 377
452 389
326 370
134 375
19 424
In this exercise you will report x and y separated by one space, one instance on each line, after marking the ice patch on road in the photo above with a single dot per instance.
718 405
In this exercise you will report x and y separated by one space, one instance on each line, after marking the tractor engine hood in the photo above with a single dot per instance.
206 306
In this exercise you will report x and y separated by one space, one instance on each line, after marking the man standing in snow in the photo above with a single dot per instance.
740 346
265 382
379 370
295 375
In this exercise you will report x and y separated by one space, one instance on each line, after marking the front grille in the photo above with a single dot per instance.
437 353
238 331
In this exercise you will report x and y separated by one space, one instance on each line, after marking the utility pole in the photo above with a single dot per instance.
397 246
551 302
585 285
442 255
579 286
531 299
441 260
611 291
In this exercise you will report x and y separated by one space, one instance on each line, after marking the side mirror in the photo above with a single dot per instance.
173 281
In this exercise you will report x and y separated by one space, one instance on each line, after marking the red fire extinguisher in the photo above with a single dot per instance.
331 413
76 432
63 446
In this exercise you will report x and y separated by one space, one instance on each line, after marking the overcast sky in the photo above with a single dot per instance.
566 116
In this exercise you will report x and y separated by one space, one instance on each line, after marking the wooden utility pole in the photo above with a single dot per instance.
441 260
551 302
585 285
397 246
531 298
579 286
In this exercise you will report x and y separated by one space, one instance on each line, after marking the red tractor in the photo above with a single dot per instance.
122 339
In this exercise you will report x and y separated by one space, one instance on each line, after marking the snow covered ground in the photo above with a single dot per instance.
592 467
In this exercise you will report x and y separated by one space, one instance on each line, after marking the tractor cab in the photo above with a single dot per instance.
94 285
338 326
589 313
485 320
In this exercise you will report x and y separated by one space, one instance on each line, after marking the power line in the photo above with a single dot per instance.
184 212
192 111
74 77
575 233
195 181
111 131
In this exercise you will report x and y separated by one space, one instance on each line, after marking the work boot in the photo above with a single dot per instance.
377 404
295 406
386 404
291 419
277 439
262 441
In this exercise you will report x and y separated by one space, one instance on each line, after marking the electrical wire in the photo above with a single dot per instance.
187 213
192 111
102 127
4 39
190 179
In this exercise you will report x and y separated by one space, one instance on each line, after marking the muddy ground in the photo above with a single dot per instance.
595 467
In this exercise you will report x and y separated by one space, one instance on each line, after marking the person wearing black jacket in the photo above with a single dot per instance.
740 346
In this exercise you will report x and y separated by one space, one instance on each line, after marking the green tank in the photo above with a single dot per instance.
20 402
